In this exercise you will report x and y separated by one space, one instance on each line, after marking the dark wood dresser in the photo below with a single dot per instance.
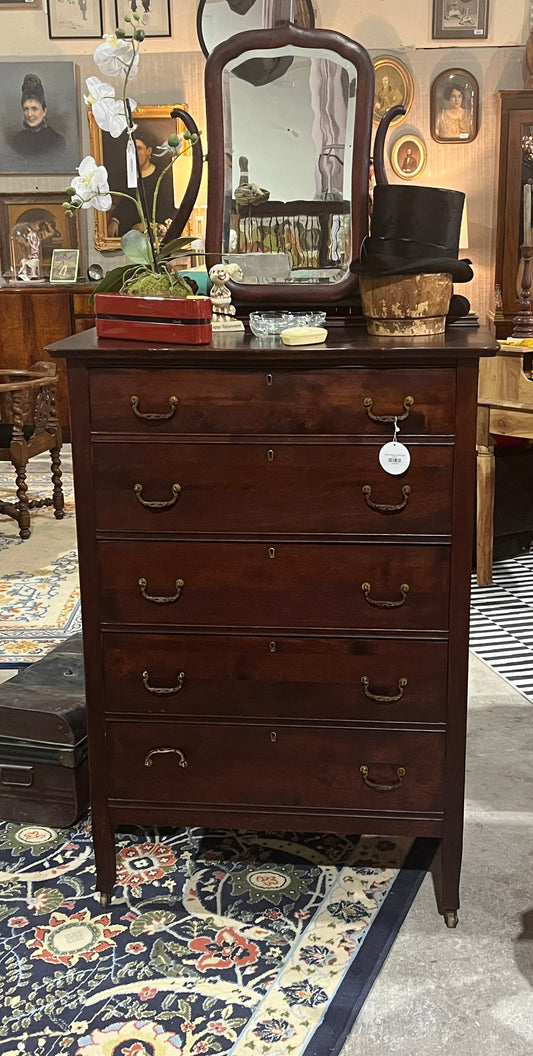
275 629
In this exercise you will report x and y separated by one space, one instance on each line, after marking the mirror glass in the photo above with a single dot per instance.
287 197
220 19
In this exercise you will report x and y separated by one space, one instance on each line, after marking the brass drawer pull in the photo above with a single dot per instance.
163 689
162 601
384 507
166 751
400 772
365 682
155 504
369 403
366 588
173 401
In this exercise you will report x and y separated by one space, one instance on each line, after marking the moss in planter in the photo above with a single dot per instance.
158 285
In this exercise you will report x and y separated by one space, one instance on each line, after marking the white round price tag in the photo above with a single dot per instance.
394 458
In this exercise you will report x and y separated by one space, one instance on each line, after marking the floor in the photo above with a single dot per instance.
468 992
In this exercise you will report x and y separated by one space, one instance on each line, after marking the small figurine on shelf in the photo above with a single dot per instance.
223 309
25 252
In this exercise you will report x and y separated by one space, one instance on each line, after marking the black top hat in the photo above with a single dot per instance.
414 230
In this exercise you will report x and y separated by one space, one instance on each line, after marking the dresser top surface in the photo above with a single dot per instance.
350 346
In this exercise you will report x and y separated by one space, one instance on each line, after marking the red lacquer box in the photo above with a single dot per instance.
170 320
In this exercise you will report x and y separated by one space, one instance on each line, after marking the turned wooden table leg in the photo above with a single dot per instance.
485 499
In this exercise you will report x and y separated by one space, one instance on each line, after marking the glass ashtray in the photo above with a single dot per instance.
268 324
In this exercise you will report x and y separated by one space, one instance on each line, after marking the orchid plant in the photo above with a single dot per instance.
150 271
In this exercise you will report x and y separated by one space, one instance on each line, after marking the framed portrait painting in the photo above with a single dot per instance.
394 86
80 19
45 215
154 15
154 125
408 157
38 118
454 107
21 5
460 19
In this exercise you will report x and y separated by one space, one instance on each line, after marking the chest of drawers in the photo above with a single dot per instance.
275 629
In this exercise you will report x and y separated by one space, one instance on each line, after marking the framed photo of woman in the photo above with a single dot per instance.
454 107
394 86
38 118
153 126
408 157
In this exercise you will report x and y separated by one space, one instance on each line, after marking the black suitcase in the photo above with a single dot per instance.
43 740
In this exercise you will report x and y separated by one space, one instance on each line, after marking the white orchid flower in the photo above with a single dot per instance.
108 112
114 56
91 186
170 148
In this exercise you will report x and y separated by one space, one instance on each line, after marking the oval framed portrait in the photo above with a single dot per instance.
408 157
454 107
394 86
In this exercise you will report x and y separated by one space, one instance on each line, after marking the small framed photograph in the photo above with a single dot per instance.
44 213
64 265
154 15
408 157
394 86
460 19
81 19
454 107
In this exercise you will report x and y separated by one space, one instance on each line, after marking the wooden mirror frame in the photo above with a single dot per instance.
264 40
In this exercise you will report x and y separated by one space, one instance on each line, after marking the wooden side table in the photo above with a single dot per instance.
505 408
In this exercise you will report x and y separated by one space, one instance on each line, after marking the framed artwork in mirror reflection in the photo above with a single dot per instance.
454 107
154 15
154 125
394 86
457 19
408 157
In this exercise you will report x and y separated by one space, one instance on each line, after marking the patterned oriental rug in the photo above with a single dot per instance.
39 591
215 942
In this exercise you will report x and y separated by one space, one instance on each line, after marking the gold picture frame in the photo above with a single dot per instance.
64 267
112 153
394 86
408 156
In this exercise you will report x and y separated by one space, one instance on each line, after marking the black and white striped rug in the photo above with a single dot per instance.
501 622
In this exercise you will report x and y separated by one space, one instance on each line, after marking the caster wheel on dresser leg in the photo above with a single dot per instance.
105 899
451 918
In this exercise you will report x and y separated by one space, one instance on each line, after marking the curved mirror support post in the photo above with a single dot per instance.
289 162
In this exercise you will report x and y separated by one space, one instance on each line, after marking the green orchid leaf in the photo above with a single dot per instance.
136 246
174 246
112 281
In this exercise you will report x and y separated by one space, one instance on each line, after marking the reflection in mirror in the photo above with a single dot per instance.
287 191
218 20
154 125
287 200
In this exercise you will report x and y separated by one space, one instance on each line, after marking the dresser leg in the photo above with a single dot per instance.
104 853
446 872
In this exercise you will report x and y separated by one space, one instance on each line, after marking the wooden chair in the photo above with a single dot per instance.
29 426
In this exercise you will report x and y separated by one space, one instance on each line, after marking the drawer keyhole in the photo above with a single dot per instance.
272 551
273 737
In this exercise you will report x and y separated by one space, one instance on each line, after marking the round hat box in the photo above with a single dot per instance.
406 305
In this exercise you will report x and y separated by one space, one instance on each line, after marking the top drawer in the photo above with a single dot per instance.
167 402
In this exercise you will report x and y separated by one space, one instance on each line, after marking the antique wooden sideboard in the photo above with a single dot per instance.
276 629
34 316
